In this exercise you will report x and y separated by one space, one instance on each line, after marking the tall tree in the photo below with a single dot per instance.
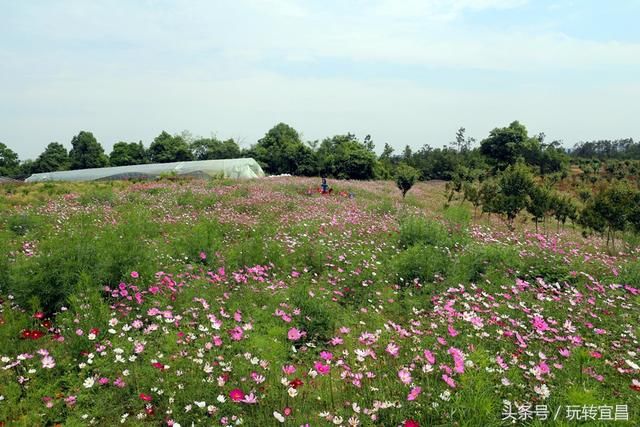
282 151
8 161
54 158
86 152
128 153
166 148
505 145
515 186
406 176
344 157
213 148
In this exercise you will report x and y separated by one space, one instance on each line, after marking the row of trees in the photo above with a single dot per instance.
87 152
282 151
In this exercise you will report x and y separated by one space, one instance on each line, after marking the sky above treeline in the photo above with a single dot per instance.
404 71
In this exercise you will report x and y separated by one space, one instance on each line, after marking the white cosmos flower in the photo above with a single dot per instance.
292 392
89 382
278 416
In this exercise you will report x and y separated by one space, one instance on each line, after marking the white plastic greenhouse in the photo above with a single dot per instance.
230 168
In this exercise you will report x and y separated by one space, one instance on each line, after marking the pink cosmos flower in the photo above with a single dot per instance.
70 401
336 341
119 383
415 392
392 349
217 341
539 324
322 368
450 382
295 334
326 355
48 362
288 369
564 352
236 333
458 360
452 331
135 274
236 395
430 357
405 376
103 381
250 399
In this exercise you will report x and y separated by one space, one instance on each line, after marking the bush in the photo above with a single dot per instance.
22 224
420 262
418 230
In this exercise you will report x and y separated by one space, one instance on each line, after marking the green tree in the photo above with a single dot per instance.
128 153
609 210
505 146
281 151
86 152
472 193
54 158
344 157
515 186
539 203
9 162
166 149
406 176
213 148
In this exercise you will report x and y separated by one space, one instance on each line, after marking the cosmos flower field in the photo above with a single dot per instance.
265 303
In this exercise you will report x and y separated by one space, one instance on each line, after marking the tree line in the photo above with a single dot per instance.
282 151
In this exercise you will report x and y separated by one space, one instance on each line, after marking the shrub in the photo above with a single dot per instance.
420 262
417 230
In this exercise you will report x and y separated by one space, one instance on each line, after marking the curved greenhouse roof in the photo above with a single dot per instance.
230 168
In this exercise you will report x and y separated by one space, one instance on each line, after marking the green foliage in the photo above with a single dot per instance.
421 262
539 203
344 157
316 319
515 186
166 149
22 224
417 230
406 176
53 158
213 148
505 145
281 151
131 153
86 152
8 161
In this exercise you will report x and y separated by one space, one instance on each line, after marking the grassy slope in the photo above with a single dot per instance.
226 270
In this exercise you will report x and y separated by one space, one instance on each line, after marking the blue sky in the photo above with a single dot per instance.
404 71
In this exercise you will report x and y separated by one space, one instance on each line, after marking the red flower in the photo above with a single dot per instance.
46 324
411 423
146 397
158 365
38 315
295 383
236 395
29 334
95 331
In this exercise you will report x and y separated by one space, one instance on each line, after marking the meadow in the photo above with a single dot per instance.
265 303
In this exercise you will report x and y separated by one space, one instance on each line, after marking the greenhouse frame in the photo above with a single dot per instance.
245 168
